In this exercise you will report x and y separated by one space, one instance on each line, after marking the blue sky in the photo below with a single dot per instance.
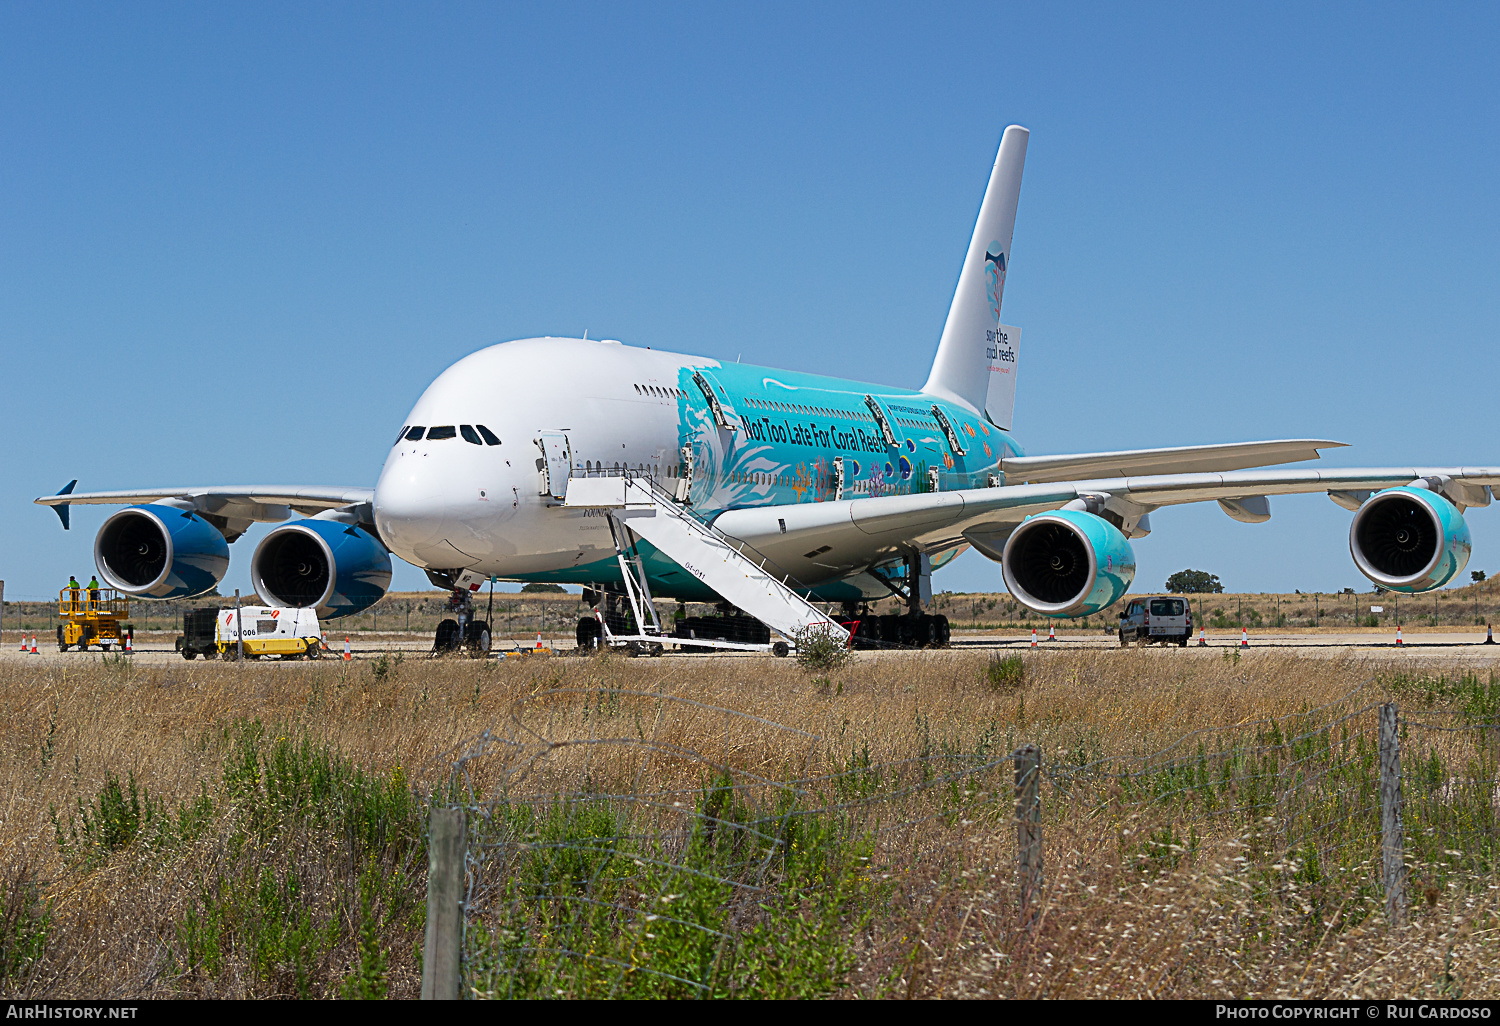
237 241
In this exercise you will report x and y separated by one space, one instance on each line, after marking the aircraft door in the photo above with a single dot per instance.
720 406
878 412
557 463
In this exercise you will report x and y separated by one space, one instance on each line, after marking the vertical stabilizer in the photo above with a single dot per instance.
1000 371
970 353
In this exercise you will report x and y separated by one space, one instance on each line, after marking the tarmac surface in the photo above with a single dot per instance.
1467 645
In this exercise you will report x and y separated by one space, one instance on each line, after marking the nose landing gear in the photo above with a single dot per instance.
461 632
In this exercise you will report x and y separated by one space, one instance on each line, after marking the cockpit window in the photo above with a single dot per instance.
400 435
415 434
488 435
470 435
439 433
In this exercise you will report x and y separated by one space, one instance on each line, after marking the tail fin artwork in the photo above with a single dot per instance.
976 358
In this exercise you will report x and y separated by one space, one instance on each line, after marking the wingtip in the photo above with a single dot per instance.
61 508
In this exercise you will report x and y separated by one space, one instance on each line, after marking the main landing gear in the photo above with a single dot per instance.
914 630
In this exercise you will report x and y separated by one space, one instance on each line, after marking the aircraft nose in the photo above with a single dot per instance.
408 510
434 514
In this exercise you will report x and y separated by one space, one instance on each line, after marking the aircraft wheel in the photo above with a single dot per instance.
478 640
446 638
944 633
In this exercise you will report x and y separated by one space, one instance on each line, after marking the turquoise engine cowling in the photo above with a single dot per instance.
160 552
1409 539
333 567
1067 563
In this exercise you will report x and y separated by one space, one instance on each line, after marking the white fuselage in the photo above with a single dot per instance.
452 504
449 504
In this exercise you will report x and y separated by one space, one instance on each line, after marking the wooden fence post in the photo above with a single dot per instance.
445 909
1393 839
1029 829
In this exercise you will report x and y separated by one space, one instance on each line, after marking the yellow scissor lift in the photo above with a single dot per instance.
91 617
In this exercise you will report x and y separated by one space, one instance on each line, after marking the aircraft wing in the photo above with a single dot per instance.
852 534
1180 460
231 508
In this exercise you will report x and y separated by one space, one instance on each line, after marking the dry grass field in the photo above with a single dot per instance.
743 827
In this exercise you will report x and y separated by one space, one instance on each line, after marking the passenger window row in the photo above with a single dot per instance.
822 411
475 434
660 392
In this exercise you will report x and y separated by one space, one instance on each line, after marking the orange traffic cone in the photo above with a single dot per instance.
539 642
1489 634
23 644
129 648
1202 638
1033 637
1051 632
33 645
1398 636
1244 638
347 653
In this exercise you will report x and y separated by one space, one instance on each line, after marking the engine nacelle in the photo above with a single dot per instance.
160 552
1067 563
1409 540
335 568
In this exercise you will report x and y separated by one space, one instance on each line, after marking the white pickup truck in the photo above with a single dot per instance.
1164 618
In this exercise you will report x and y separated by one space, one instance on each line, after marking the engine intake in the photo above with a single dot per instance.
1067 563
1409 540
160 552
337 569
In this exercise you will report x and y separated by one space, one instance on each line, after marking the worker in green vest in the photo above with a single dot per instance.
73 587
93 592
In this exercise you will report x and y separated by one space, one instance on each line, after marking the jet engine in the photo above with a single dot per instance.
160 552
336 568
1067 563
1409 539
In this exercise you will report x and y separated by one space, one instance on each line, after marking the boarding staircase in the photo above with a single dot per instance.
638 507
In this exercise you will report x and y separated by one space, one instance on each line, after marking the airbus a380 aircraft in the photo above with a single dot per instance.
643 472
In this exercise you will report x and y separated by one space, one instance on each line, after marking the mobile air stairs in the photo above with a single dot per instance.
638 508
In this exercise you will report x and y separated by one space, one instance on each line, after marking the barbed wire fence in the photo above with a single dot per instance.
613 843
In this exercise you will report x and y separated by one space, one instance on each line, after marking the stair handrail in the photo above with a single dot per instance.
665 500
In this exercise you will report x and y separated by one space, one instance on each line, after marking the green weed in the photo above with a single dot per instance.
1005 672
25 918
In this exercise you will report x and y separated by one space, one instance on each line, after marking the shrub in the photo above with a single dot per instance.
819 650
24 918
1005 673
